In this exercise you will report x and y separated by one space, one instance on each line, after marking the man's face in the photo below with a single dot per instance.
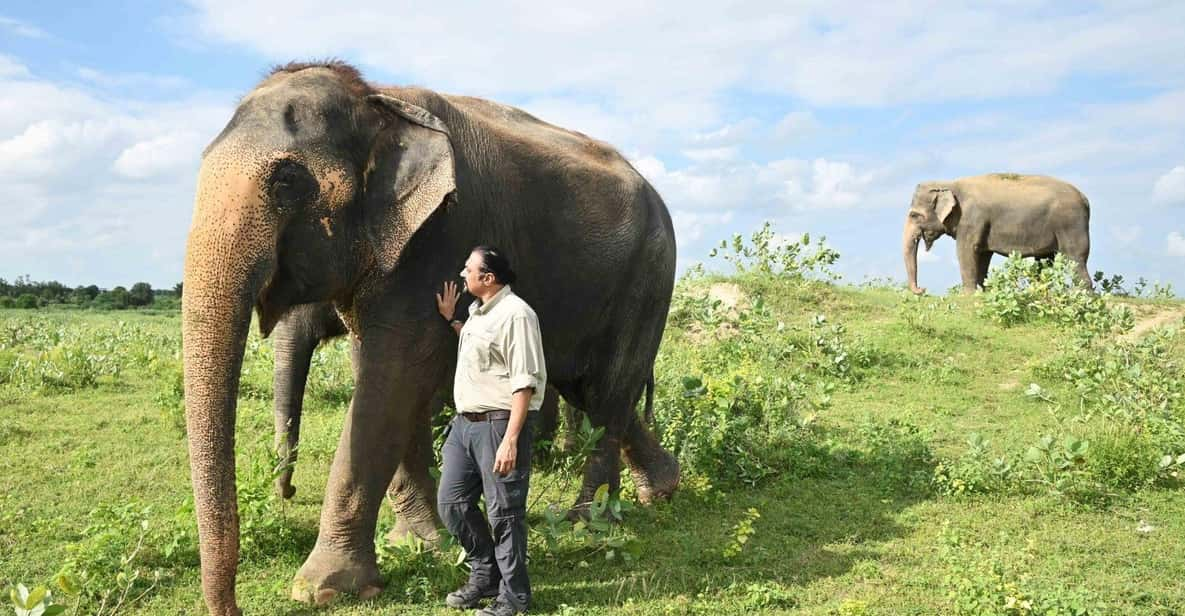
476 281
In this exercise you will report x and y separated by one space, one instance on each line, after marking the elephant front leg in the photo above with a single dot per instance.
412 492
294 352
372 443
971 260
985 261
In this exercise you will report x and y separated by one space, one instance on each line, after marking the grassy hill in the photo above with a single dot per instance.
847 450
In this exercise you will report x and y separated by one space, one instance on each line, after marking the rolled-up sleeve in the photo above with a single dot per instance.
524 353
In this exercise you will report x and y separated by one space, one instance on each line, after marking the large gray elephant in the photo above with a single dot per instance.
413 499
998 213
323 187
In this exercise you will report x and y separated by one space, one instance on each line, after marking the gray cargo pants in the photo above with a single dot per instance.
467 473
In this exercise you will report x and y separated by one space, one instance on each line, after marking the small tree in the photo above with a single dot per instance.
141 294
118 297
26 300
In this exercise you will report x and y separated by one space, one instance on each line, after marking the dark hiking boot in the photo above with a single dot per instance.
500 608
469 595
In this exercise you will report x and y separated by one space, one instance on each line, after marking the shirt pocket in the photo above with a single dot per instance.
482 353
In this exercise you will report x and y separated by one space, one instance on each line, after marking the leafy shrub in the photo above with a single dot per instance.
742 532
1057 464
109 566
763 596
331 379
170 392
264 530
990 580
975 472
1024 290
1137 382
600 534
770 255
36 602
1123 459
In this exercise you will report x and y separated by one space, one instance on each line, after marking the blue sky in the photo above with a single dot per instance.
818 116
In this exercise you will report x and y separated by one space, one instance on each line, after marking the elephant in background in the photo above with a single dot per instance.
999 213
325 188
411 492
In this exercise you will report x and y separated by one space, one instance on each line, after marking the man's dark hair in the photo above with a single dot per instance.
496 263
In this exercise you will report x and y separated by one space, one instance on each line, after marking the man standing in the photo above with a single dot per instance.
500 381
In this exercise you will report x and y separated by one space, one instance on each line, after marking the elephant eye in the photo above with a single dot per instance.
915 215
291 183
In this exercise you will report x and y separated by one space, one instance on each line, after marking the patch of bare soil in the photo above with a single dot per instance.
728 294
1147 321
731 298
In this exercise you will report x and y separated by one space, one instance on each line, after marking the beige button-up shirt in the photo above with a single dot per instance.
500 352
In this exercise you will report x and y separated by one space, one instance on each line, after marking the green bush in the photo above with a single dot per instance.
767 254
26 301
974 472
1025 290
1123 459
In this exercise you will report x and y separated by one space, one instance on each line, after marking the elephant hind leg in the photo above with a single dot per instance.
654 470
1078 249
412 492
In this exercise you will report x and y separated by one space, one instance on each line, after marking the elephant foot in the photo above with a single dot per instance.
406 526
326 574
284 487
656 481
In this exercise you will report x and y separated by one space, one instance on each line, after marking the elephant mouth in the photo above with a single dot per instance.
928 239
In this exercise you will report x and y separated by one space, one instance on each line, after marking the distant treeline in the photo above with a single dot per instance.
26 293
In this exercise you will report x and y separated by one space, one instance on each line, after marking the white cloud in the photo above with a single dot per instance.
1125 235
691 225
94 183
703 155
817 51
21 28
1170 187
727 135
173 152
1175 244
130 80
9 67
796 124
929 256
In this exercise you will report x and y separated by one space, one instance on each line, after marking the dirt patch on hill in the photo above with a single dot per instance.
1157 318
728 294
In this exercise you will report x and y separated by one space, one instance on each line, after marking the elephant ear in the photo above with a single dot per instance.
946 206
410 174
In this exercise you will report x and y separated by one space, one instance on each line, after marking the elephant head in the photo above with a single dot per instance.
317 183
934 211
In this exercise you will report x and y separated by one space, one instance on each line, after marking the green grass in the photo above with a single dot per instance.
850 522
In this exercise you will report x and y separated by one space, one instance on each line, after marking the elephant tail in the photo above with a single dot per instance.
648 413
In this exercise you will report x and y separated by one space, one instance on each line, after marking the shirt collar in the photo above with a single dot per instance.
488 306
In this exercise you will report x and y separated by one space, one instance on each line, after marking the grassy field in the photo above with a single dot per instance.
847 451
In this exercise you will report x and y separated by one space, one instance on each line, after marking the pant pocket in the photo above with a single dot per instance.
510 494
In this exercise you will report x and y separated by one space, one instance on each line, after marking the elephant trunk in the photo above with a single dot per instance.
226 264
910 239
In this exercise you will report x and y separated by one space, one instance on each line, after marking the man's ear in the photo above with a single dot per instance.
410 173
